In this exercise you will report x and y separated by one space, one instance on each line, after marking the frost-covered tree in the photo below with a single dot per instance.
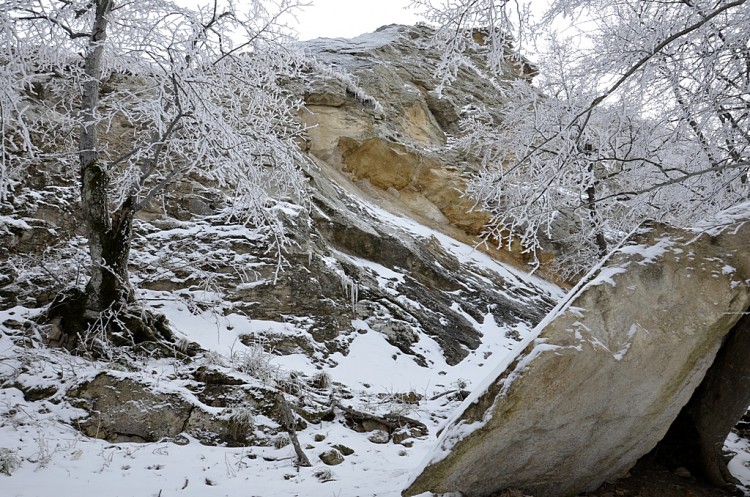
640 110
136 95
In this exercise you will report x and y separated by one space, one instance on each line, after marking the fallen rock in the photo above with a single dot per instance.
379 437
606 375
347 451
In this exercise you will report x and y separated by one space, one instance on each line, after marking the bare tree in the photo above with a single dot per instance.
197 91
640 110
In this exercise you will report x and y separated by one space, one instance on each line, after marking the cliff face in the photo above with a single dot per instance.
387 241
355 340
396 146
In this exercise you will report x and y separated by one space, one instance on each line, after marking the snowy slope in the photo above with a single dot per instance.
48 456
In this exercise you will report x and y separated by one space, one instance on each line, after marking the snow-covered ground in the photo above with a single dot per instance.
43 454
47 456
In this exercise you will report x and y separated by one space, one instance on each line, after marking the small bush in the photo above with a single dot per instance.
321 380
281 440
212 358
255 361
9 461
324 474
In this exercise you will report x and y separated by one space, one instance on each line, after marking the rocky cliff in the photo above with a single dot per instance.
347 350
375 318
376 244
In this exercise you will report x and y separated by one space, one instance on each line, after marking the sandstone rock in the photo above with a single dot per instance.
395 149
607 373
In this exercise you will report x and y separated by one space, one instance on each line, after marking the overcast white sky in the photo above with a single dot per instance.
348 18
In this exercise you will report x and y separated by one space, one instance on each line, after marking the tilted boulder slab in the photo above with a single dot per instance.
608 370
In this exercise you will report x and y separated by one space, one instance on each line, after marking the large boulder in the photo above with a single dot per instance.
607 373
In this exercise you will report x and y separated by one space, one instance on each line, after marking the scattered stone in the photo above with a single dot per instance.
332 457
344 449
379 437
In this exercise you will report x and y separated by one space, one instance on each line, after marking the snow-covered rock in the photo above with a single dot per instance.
606 373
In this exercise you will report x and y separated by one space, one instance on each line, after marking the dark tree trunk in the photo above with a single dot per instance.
601 242
82 323
108 238
696 439
594 219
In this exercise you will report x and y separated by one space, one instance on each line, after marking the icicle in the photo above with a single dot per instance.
351 289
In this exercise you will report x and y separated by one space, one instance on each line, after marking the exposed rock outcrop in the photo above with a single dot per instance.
124 409
394 151
608 372
370 247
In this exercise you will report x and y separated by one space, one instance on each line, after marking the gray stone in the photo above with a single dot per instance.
332 457
607 373
379 437
125 410
346 451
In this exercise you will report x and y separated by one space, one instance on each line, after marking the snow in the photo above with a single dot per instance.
55 459
739 464
650 253
620 354
606 275
14 222
731 218
368 41
396 372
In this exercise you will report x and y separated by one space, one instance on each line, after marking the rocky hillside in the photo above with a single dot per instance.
377 245
351 344
347 350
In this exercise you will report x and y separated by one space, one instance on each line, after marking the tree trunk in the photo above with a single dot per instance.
108 237
696 439
287 422
79 317
601 242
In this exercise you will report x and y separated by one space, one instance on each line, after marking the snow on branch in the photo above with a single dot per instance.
640 110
